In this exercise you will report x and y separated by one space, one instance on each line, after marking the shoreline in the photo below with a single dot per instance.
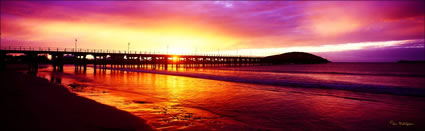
32 103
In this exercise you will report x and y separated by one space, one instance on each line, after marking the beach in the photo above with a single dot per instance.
32 103
193 99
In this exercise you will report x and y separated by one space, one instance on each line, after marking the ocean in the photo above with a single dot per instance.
334 96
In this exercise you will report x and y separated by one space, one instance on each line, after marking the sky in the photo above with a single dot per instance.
341 31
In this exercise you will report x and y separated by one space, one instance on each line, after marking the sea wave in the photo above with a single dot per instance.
385 89
334 73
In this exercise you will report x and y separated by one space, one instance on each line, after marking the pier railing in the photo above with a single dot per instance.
82 50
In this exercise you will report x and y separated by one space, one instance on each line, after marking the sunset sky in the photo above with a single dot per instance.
354 31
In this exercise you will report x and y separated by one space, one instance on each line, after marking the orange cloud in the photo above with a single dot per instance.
208 26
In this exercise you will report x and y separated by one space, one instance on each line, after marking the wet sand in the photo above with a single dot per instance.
32 103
